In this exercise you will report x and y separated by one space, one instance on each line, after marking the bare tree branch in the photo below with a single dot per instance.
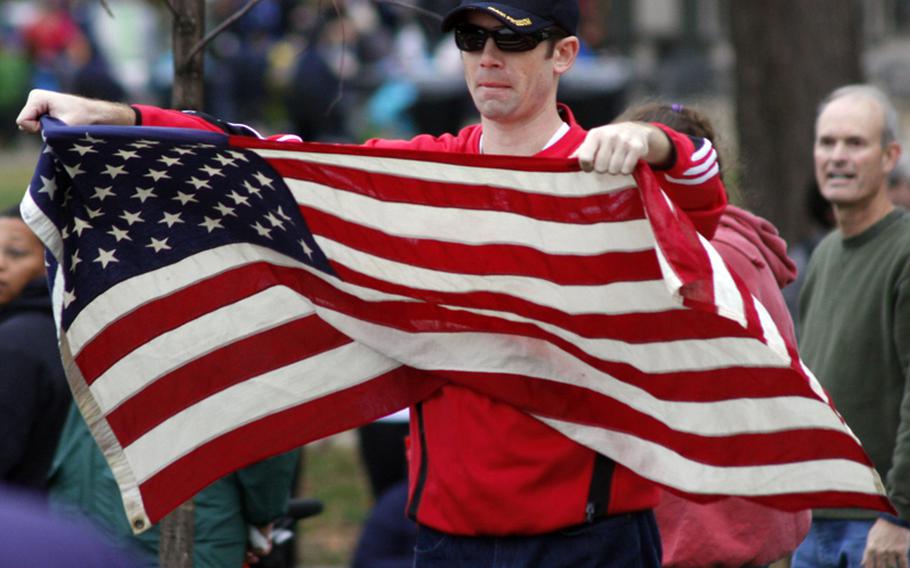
170 7
418 9
220 28
344 44
106 8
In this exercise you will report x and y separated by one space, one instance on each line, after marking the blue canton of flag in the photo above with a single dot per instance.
137 205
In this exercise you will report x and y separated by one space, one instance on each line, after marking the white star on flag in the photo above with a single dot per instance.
157 175
158 245
83 150
114 171
79 225
49 186
102 192
73 171
263 180
126 154
131 218
91 139
224 160
144 193
169 161
184 198
211 224
252 189
105 257
238 199
93 213
198 183
306 249
225 210
211 171
262 230
275 221
119 234
170 219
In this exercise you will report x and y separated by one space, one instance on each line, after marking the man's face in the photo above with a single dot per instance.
851 166
21 258
508 87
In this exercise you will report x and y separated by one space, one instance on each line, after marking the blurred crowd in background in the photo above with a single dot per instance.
331 71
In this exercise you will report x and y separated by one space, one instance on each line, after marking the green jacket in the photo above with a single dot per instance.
81 483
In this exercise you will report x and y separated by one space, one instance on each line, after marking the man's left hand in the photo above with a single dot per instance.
886 546
616 148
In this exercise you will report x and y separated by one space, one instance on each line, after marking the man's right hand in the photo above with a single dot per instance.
71 110
886 546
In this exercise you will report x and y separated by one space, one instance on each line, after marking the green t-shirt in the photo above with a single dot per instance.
855 321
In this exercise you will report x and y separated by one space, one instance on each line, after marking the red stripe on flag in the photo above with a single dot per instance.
679 242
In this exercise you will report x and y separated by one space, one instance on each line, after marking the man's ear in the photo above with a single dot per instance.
890 156
564 53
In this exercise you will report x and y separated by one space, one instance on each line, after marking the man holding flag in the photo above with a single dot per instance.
508 461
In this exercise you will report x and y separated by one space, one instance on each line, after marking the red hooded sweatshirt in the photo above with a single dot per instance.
736 532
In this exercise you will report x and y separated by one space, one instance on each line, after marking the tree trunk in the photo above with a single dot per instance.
189 26
175 548
789 55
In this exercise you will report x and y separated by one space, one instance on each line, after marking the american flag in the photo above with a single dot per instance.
221 299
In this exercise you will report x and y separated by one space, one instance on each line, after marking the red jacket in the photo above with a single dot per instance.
478 466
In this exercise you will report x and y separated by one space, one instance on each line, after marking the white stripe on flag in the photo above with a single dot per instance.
474 226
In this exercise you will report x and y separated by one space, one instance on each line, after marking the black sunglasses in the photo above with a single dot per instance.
469 37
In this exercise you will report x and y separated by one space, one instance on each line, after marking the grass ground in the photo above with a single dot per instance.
16 167
334 474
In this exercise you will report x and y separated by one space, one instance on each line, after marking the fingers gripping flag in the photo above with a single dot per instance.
222 299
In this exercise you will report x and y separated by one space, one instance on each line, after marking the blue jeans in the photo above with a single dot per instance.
833 543
621 540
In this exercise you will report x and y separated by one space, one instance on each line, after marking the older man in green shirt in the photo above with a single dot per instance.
855 319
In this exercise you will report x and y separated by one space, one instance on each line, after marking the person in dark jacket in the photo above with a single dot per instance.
34 395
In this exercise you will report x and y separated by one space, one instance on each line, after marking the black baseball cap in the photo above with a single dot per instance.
522 16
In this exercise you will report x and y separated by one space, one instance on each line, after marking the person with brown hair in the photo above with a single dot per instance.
732 532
